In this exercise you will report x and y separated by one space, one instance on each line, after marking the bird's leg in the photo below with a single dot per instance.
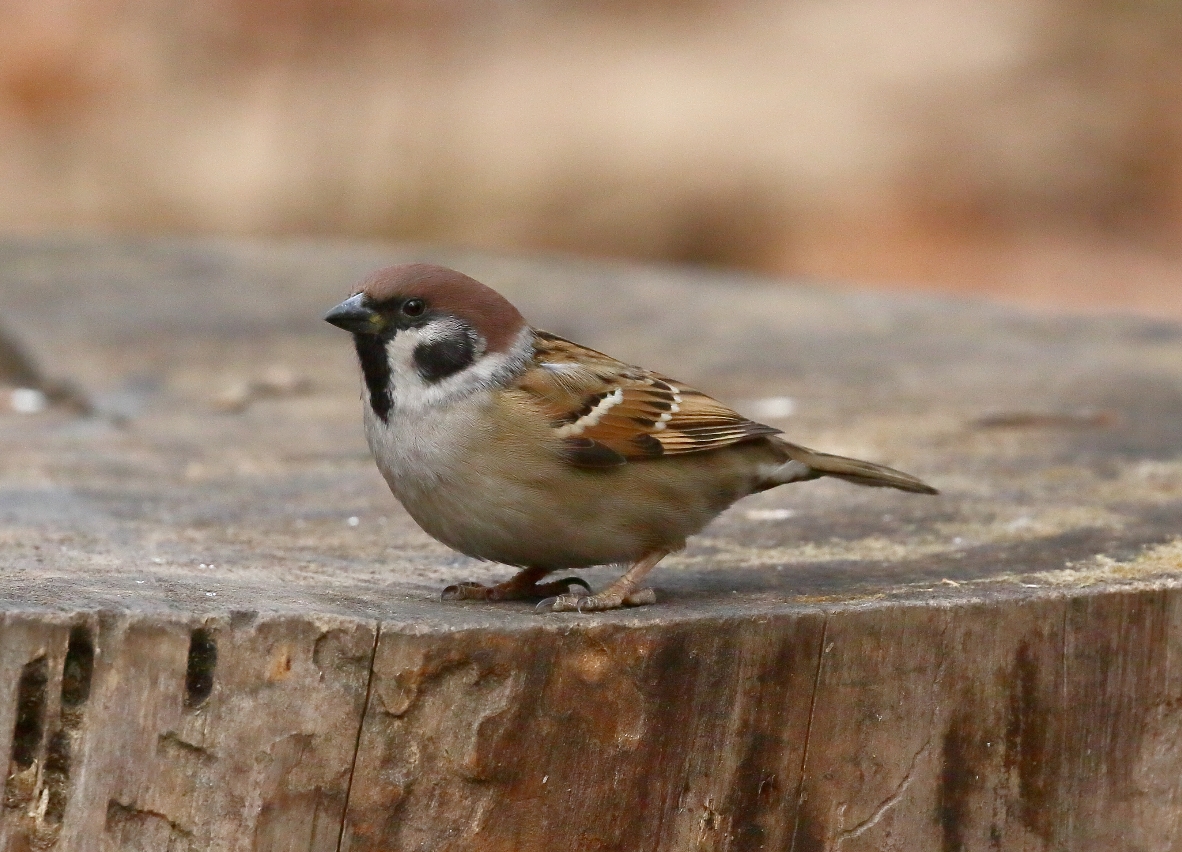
523 585
622 592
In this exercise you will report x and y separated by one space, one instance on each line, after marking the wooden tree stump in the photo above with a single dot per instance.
221 632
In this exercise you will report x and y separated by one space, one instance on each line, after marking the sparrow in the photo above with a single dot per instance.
511 444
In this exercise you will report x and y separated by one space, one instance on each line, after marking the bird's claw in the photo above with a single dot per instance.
466 592
560 586
596 603
510 591
551 604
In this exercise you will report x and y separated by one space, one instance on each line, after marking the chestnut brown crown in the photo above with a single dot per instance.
445 291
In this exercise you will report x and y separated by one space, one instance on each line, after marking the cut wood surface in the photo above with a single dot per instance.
219 631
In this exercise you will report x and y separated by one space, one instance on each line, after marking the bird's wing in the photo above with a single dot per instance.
608 413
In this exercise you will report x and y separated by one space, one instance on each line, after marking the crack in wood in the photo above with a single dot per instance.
373 656
77 671
172 741
808 731
202 661
31 698
844 834
1068 817
37 788
120 814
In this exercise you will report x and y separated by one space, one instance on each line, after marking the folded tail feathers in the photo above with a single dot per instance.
816 465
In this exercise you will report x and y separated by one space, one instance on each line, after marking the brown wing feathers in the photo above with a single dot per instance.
607 412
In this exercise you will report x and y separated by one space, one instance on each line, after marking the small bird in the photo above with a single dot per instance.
514 445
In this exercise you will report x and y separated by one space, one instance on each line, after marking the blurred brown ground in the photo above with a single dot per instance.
1027 150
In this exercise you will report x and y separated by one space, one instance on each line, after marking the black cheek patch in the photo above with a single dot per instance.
371 352
439 359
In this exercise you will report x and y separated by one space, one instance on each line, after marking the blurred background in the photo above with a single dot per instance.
1022 150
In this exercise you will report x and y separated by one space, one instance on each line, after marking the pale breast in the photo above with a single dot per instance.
423 448
475 487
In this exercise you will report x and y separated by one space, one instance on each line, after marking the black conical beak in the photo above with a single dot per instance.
355 316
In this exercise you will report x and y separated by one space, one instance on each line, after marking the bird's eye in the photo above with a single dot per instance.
414 307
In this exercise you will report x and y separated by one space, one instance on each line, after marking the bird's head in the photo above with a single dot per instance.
426 333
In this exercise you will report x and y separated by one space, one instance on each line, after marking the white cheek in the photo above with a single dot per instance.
412 394
400 354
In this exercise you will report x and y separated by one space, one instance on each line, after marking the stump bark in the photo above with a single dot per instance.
219 631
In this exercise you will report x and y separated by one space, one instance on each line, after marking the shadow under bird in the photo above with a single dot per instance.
513 445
